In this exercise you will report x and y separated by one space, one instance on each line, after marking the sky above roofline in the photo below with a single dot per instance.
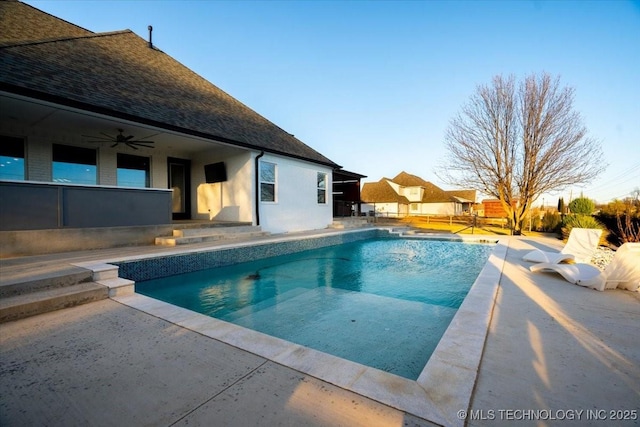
373 85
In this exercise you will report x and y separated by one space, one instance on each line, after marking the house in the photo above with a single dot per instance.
408 194
107 130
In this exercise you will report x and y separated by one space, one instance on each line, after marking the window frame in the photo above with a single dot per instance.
13 148
321 187
265 182
73 155
139 163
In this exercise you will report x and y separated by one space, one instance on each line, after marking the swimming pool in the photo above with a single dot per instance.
384 303
446 382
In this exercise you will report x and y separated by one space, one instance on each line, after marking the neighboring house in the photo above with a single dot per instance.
408 194
105 129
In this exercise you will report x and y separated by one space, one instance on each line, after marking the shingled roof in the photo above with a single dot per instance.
119 75
464 195
431 193
383 192
21 23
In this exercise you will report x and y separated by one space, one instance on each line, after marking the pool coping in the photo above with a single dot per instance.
443 388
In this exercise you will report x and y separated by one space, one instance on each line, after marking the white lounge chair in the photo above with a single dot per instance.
622 272
580 247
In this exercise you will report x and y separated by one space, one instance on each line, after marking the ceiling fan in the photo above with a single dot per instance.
121 139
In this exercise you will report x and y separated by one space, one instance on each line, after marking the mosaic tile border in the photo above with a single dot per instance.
169 265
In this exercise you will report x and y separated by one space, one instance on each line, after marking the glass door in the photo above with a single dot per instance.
179 182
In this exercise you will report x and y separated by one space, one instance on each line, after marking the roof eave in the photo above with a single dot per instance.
54 99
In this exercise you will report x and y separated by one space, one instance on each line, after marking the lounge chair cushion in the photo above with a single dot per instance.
580 247
537 255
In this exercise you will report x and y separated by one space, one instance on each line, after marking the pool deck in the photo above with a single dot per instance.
552 350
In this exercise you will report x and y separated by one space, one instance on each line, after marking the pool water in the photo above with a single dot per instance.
382 303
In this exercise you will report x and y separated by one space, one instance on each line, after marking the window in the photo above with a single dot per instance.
11 158
322 187
133 171
267 182
414 207
74 165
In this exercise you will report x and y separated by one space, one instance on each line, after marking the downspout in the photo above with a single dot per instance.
258 187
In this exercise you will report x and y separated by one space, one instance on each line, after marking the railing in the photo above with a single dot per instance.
27 205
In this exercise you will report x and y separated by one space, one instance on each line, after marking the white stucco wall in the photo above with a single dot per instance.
231 200
440 208
388 209
296 207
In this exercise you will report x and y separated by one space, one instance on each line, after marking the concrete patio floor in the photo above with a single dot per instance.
553 350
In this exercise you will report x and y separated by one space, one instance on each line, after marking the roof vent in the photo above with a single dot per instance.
150 31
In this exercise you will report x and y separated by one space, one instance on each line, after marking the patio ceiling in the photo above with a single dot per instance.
20 112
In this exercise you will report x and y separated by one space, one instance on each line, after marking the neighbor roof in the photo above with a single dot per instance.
119 75
465 195
383 192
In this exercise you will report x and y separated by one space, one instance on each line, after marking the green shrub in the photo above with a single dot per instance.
582 206
581 221
551 222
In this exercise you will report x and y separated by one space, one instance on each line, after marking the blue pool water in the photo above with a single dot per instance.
383 303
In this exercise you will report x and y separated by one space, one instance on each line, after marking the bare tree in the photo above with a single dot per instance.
516 144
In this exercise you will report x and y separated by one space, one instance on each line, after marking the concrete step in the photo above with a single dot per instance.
42 301
99 270
195 232
107 275
211 235
51 288
56 277
118 286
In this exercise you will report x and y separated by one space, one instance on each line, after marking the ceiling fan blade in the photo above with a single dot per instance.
111 138
131 145
115 144
148 136
127 138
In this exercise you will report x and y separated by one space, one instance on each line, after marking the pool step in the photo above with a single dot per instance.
59 287
401 231
198 235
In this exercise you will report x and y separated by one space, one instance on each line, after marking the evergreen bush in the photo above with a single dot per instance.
570 222
582 206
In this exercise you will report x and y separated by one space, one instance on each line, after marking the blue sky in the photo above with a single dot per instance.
373 84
